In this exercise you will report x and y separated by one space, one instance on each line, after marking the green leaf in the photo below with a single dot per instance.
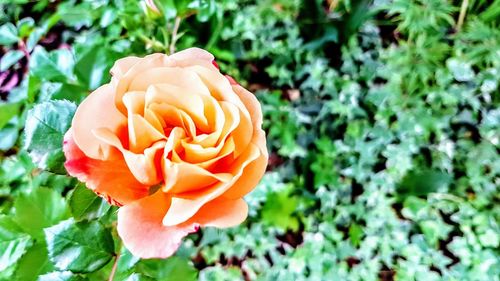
79 246
10 58
63 91
423 182
171 269
8 34
76 15
355 234
204 9
167 8
8 137
25 26
46 125
34 262
56 66
13 242
38 209
92 67
7 111
61 276
85 204
279 208
139 277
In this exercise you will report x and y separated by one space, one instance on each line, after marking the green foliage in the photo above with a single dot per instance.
46 125
79 246
85 204
381 118
39 209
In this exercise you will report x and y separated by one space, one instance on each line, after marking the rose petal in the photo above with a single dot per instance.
185 205
222 213
142 232
111 179
97 111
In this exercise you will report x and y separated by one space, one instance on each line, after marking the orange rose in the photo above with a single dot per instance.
174 142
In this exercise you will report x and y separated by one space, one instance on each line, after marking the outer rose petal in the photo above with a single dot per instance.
90 116
253 172
111 179
141 229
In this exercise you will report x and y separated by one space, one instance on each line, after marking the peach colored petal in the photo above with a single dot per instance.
221 213
122 65
144 166
122 83
178 77
185 177
192 104
192 54
185 205
111 179
90 115
142 134
142 232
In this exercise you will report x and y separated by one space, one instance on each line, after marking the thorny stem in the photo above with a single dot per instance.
115 266
461 16
174 34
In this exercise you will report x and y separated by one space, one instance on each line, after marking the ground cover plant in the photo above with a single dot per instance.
382 122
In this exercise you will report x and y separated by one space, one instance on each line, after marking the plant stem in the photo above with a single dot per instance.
115 266
461 16
174 34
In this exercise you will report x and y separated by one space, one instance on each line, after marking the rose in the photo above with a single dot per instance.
173 142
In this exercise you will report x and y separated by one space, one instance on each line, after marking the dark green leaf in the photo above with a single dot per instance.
92 67
85 204
46 125
13 242
423 182
79 246
38 209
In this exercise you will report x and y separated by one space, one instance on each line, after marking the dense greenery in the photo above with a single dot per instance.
382 118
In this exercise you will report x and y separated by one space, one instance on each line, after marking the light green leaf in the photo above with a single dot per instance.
79 246
38 209
34 262
171 269
56 66
13 242
8 34
7 111
46 125
61 276
10 58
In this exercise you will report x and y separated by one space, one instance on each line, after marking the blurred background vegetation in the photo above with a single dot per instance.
382 119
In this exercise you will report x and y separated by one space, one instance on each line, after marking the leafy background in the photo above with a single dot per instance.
382 120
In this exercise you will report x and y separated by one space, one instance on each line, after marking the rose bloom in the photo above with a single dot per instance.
173 142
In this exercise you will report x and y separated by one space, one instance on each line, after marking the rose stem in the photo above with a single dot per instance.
174 34
115 266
